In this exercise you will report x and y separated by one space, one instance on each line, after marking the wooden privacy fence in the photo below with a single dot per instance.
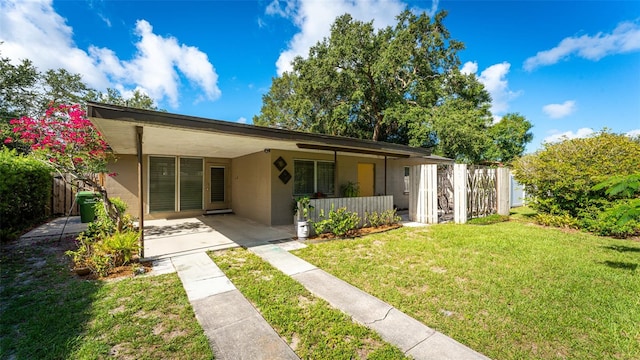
63 193
457 192
360 205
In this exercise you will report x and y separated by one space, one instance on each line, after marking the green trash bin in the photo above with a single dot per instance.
86 201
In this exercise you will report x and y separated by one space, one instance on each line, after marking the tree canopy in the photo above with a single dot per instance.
26 91
399 84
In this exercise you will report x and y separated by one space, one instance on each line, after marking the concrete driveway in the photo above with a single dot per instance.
168 238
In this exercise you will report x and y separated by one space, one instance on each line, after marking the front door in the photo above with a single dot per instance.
217 183
365 179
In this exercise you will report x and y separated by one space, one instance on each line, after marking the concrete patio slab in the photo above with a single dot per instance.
68 227
174 237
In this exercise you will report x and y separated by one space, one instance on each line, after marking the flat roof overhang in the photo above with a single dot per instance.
173 134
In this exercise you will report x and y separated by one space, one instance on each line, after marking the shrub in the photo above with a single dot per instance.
387 217
339 223
564 221
102 247
560 177
620 220
123 246
25 191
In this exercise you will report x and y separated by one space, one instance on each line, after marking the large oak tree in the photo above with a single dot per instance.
399 84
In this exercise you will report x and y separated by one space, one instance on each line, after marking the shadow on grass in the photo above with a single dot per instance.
45 307
622 248
621 265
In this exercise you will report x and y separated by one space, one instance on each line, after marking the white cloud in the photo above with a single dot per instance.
557 111
242 120
314 19
633 133
567 135
624 38
494 79
470 67
33 30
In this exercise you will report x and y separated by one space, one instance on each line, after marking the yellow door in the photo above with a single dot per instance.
365 179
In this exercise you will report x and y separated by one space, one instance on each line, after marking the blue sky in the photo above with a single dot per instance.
570 67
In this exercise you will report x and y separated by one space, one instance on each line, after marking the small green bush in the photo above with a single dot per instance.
387 217
102 247
340 222
25 193
123 246
563 221
619 220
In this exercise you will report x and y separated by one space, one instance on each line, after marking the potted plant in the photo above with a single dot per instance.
302 208
350 189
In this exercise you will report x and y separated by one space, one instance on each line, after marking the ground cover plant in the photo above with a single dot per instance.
312 328
49 313
510 290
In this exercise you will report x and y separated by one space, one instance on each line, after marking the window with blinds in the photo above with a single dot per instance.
311 176
217 184
191 171
162 184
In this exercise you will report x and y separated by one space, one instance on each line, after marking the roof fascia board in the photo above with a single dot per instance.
158 118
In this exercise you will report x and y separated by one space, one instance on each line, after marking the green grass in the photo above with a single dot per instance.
49 313
510 290
312 328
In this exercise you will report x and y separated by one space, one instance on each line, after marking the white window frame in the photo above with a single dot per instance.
315 175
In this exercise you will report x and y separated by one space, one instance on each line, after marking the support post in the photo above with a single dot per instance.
385 174
503 184
423 193
460 193
139 132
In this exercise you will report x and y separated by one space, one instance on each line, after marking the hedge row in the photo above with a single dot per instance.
25 191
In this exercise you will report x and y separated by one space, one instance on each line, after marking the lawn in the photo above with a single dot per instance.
312 328
510 290
49 313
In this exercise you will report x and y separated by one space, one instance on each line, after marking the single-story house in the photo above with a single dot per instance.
185 166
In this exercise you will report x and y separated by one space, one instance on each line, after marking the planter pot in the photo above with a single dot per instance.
303 230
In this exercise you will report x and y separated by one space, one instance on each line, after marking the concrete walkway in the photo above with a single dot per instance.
235 329
411 336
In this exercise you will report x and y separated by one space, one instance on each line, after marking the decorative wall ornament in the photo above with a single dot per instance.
285 176
280 163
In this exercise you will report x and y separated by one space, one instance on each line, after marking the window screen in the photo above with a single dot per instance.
303 178
190 184
162 184
325 172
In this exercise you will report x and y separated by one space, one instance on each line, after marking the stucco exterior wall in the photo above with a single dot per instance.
125 184
346 170
251 186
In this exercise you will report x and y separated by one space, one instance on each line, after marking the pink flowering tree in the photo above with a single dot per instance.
67 141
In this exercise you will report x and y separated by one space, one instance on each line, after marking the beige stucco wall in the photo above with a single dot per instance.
125 184
347 170
251 187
